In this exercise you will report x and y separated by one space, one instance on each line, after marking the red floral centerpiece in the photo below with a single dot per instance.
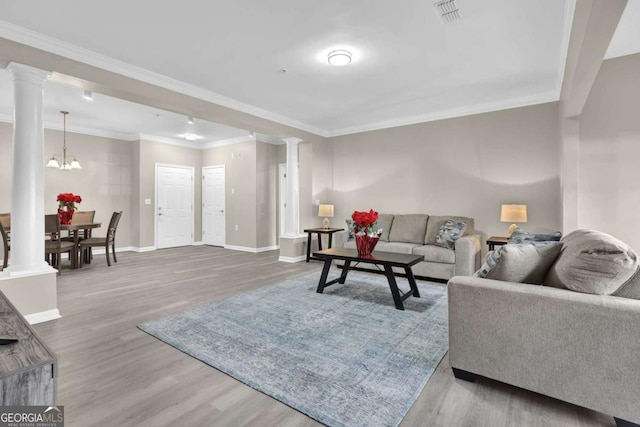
67 206
366 234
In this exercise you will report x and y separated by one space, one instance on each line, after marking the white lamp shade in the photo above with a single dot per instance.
75 164
513 213
325 211
53 163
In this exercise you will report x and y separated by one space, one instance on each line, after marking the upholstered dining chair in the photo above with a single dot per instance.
54 247
81 217
109 241
5 247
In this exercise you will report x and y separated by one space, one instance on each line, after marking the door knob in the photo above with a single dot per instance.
221 211
159 213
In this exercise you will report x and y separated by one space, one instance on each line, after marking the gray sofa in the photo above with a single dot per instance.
577 339
416 234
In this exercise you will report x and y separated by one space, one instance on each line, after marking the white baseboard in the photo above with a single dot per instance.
43 316
292 259
252 250
100 251
200 243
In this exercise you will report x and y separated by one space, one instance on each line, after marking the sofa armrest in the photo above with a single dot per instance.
340 238
468 250
576 347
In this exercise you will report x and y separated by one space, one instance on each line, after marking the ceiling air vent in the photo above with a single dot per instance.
448 10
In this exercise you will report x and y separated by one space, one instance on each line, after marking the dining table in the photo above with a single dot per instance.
74 229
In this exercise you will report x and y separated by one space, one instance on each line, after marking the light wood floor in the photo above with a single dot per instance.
113 374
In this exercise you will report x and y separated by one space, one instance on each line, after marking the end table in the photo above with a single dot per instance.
319 232
494 241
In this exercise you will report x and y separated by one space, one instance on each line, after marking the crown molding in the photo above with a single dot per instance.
450 114
569 11
170 141
40 41
269 139
229 141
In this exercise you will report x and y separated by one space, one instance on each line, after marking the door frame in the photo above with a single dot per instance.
282 185
155 206
224 170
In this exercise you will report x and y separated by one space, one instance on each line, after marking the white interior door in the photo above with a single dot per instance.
213 206
282 189
174 206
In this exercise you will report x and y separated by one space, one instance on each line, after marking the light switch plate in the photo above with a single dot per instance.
147 201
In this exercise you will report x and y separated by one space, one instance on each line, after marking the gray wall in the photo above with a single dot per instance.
610 151
463 166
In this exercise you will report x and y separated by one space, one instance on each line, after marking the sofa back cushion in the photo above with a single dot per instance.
435 222
408 228
384 222
593 262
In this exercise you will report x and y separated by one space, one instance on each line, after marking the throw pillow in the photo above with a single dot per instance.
449 232
521 263
519 236
594 263
350 225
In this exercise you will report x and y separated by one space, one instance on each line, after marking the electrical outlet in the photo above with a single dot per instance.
236 227
233 191
147 201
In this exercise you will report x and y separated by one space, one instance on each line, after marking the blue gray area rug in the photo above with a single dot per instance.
345 358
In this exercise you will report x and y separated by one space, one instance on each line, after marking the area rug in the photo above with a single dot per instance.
345 358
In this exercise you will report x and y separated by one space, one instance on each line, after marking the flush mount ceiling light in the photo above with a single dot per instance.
190 136
339 57
190 120
447 10
88 95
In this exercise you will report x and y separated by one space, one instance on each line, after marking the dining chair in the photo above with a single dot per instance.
108 241
5 246
55 246
81 217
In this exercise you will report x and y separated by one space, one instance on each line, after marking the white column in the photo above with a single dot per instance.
27 189
292 198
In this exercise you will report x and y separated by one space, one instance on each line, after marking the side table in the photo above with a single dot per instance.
494 241
319 232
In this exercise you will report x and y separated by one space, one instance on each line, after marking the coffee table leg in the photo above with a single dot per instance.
345 271
412 282
393 285
325 273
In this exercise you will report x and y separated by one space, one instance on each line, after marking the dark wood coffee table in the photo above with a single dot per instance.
385 259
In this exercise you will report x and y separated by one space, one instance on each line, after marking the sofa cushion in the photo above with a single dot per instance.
435 222
519 236
397 247
520 263
433 253
408 228
593 262
384 222
631 289
449 232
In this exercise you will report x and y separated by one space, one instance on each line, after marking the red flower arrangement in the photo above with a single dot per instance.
68 200
365 221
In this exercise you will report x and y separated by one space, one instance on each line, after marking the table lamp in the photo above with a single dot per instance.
327 212
513 214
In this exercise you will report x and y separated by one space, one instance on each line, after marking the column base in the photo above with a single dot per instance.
293 248
33 292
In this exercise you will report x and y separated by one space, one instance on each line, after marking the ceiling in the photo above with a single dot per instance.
269 58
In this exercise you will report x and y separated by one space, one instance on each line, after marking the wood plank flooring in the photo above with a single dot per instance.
113 374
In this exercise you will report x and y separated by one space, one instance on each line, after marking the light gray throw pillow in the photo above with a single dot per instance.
521 263
593 262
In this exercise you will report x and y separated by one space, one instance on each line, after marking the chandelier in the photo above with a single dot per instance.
66 166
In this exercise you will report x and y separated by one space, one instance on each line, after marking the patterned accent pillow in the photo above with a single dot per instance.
526 262
521 236
449 232
350 225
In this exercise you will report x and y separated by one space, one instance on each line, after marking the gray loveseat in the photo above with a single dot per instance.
416 234
577 339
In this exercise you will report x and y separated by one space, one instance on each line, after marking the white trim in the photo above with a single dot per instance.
228 141
40 41
292 259
569 11
43 316
269 139
8 273
450 114
169 141
252 250
200 243
142 249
